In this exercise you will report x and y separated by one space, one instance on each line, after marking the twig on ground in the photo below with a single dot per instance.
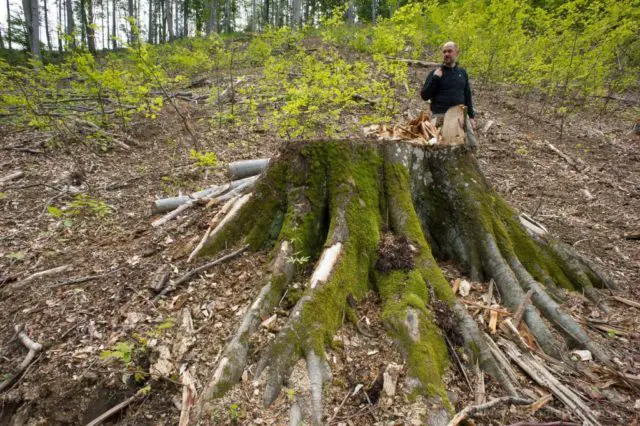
565 157
201 244
480 389
11 176
539 374
339 407
452 350
517 317
414 62
34 349
84 279
160 278
186 277
166 218
626 301
124 404
557 423
472 410
41 274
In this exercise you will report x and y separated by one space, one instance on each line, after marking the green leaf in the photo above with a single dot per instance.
54 212
68 223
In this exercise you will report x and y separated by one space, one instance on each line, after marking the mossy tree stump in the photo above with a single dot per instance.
332 201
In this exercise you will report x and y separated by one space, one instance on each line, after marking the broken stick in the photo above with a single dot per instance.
124 404
11 176
472 410
565 157
34 348
186 277
40 274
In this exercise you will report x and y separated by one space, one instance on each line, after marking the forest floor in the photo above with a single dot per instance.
592 209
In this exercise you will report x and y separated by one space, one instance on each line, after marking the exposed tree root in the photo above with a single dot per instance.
329 202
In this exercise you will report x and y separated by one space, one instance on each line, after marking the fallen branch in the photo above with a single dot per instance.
201 244
246 168
41 274
84 279
186 277
472 410
632 236
11 176
160 278
34 348
489 308
168 204
558 423
539 374
565 157
124 404
415 62
626 301
166 218
517 317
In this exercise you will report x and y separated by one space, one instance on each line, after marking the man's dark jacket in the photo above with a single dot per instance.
451 89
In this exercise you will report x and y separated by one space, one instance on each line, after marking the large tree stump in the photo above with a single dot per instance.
333 201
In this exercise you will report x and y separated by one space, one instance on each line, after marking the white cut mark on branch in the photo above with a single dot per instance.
34 349
233 212
326 263
532 226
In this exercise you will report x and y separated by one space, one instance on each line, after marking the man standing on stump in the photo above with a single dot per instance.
448 86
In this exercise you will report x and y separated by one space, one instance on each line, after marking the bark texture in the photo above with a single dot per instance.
335 201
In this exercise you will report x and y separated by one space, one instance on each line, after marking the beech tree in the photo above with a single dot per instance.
32 22
341 202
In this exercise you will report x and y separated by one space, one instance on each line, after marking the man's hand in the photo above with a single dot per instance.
474 124
438 72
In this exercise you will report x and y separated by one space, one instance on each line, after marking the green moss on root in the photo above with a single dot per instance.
352 172
407 224
404 293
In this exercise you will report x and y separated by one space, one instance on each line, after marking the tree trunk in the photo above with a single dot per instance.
373 216
150 29
91 30
133 36
351 12
83 22
59 26
46 25
266 13
185 18
71 26
114 28
9 36
212 22
32 22
374 11
1 40
168 16
227 16
296 13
